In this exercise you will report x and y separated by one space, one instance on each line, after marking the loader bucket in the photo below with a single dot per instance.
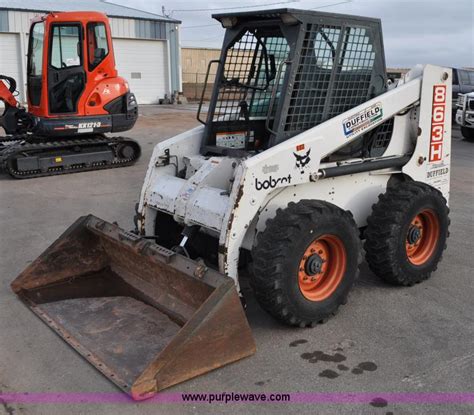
144 316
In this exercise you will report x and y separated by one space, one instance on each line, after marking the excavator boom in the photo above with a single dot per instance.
6 92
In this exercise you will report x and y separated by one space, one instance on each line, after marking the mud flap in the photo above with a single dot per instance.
145 317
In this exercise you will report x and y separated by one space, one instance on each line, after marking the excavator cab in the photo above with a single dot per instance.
74 97
72 84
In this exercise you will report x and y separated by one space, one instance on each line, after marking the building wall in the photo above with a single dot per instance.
19 22
148 29
122 27
396 73
174 58
3 21
194 63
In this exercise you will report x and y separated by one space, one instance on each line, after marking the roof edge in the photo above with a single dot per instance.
158 18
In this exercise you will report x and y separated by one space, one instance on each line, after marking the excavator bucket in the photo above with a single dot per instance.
144 316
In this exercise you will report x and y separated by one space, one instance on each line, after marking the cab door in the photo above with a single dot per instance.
66 74
35 65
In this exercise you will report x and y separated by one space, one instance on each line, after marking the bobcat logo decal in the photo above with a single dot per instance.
302 161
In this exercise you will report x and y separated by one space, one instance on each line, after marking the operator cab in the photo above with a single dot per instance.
282 72
73 85
65 60
67 48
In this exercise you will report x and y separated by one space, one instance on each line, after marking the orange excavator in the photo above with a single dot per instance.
74 97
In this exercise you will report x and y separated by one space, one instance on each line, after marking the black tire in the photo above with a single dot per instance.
281 247
390 252
467 133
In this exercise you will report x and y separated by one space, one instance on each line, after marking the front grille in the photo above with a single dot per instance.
470 104
461 100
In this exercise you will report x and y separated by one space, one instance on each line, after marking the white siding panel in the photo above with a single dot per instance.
19 22
148 60
122 27
10 61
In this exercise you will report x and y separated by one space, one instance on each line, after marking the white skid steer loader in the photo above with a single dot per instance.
304 152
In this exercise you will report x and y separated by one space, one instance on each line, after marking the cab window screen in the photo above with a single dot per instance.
66 46
97 44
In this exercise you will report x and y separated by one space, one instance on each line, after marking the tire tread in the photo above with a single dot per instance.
270 253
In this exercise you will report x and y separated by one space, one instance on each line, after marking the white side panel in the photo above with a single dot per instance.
19 22
335 190
10 59
122 27
147 61
431 161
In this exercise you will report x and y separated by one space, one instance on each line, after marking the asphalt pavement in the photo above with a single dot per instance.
417 339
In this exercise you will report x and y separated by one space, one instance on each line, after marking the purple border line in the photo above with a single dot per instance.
434 398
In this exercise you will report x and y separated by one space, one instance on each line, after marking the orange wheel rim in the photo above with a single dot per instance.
322 267
422 237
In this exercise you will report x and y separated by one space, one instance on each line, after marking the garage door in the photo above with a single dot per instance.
10 59
144 64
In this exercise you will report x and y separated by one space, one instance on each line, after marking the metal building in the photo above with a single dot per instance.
146 45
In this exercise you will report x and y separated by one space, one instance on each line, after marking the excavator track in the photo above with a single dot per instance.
24 158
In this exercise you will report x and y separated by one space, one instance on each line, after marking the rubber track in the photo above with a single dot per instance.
271 252
11 151
387 215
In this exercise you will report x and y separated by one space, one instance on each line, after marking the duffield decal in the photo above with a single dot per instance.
363 119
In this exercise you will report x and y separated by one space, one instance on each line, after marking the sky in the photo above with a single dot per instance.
439 32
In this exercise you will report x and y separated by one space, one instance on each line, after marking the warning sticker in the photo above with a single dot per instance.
234 139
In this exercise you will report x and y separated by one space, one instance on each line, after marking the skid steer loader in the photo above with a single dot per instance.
304 152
